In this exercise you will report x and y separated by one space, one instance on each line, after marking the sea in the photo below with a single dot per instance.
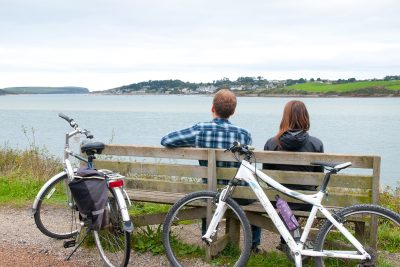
365 126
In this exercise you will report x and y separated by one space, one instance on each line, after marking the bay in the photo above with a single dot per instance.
367 126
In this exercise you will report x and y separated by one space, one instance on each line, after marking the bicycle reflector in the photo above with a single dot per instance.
116 183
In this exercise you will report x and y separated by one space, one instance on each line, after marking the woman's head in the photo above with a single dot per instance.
295 118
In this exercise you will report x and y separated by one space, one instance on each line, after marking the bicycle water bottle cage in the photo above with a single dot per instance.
92 148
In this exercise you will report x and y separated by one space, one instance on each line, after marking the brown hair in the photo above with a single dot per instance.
224 103
295 117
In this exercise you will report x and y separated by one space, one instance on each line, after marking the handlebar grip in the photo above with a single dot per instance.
89 135
65 117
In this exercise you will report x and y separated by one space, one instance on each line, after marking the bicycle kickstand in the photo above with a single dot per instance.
79 244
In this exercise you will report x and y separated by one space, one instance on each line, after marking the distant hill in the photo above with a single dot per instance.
257 86
349 87
46 90
155 86
2 92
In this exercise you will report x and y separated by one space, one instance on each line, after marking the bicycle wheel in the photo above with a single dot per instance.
55 214
383 245
185 224
113 242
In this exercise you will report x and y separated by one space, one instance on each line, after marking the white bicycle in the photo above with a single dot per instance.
346 238
56 213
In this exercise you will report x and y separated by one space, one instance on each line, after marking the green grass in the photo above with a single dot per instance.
145 208
17 191
316 87
276 259
23 172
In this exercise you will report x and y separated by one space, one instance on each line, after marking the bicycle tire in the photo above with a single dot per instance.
113 242
359 216
54 207
181 236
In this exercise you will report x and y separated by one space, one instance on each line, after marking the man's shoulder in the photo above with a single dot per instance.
218 126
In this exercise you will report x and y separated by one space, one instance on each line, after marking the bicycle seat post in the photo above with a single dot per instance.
326 180
90 161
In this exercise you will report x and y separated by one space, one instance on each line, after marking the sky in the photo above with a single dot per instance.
103 44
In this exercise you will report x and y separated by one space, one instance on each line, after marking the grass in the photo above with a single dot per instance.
23 172
390 198
276 259
316 87
145 208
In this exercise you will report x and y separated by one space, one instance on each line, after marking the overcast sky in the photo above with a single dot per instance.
102 44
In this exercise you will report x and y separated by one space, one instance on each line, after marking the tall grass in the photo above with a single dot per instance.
390 198
23 172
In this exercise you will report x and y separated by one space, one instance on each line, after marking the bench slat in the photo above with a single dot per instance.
306 178
156 152
151 169
303 158
337 196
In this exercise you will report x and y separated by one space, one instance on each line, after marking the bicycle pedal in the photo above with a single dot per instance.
69 244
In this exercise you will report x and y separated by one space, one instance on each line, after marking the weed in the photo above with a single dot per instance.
186 250
390 198
148 239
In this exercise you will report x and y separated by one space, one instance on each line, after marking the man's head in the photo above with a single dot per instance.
224 104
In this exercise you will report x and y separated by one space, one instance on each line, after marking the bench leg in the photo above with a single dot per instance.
233 230
360 231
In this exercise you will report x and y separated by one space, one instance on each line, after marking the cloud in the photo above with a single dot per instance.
103 44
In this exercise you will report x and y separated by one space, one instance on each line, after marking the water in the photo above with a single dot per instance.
367 126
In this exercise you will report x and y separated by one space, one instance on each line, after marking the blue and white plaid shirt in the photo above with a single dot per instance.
218 133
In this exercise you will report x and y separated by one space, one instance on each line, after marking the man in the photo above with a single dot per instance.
218 133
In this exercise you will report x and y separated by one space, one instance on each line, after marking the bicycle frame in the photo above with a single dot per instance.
246 172
119 192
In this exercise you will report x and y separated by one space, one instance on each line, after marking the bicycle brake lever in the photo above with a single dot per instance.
88 134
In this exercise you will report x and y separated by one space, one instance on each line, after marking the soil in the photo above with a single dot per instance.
22 244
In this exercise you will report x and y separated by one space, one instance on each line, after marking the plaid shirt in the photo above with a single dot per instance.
218 133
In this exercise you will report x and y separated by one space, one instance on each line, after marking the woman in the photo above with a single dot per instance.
293 136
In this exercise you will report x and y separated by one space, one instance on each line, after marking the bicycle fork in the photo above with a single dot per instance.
218 215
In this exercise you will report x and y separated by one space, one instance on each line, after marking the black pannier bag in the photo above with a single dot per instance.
90 192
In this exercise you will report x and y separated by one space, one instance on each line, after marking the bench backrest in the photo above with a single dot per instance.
164 172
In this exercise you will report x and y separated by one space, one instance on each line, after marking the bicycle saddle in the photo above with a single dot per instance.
335 165
92 148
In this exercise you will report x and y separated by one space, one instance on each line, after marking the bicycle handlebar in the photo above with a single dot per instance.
241 149
65 117
75 126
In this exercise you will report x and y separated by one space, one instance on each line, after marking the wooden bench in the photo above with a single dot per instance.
164 175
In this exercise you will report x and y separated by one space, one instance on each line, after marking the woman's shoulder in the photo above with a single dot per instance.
271 144
317 143
315 139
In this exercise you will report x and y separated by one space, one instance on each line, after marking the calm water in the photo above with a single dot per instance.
345 125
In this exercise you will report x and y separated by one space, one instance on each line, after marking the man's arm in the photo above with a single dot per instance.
182 138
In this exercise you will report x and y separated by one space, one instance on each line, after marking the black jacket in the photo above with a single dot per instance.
299 141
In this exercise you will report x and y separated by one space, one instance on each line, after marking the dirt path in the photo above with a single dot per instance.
22 244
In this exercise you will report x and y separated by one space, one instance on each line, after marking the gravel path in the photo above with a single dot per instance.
22 244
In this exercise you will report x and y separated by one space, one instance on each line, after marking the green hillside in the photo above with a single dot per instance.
316 87
46 90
